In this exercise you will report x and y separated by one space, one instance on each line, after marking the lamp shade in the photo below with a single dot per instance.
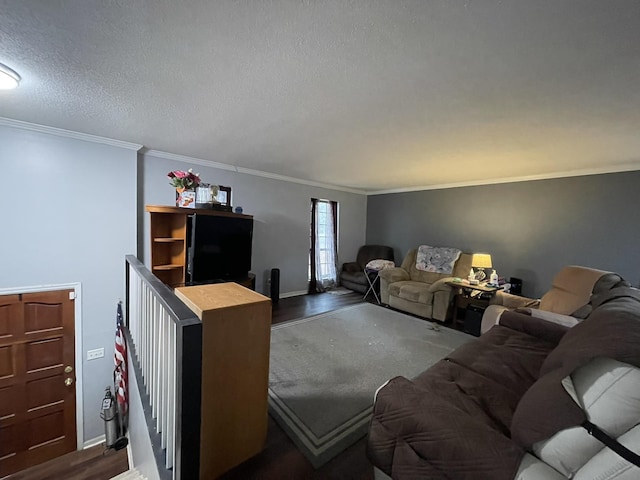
481 260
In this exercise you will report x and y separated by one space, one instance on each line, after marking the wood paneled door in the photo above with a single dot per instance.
37 378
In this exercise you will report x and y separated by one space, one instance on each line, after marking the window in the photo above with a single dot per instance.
324 240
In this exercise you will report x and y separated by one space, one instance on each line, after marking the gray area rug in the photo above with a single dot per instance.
325 370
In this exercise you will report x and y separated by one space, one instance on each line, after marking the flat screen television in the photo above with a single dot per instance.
220 248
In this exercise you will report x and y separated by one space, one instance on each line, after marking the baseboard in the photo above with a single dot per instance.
293 294
93 442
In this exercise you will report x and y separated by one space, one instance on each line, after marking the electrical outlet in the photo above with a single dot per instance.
96 353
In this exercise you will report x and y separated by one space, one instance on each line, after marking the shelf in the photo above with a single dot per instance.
163 209
167 239
167 267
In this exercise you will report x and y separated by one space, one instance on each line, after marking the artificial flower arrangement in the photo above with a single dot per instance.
184 180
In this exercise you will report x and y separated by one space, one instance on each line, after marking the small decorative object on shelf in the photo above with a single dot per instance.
185 198
185 184
206 195
224 195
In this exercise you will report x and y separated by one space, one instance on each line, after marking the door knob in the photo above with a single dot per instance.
68 381
68 369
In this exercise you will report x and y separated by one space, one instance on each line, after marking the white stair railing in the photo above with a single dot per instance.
152 328
159 325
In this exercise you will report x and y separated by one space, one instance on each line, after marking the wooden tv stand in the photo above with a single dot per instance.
169 242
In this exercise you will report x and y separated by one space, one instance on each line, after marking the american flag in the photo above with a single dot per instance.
120 360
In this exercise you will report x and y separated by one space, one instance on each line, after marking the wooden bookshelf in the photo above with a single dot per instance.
169 241
168 246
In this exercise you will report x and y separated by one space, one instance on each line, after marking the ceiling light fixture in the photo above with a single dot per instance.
9 79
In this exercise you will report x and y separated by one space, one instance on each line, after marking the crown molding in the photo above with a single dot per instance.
248 171
186 159
528 178
9 122
60 132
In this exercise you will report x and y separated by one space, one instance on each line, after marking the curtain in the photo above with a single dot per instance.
324 245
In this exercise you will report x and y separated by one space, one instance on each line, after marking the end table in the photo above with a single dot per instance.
468 295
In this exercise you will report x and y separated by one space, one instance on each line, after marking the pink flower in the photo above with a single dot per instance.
182 179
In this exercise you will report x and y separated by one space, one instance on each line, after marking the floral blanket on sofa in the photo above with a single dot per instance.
437 259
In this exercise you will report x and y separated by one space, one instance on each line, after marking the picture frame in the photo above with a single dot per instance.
224 195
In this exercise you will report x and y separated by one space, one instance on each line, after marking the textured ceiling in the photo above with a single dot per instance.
372 95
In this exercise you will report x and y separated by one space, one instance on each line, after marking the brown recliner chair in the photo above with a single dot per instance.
569 295
352 275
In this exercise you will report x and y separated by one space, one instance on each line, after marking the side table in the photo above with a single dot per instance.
373 277
470 296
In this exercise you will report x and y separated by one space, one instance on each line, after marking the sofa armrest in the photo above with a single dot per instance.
491 317
351 267
510 300
391 275
441 285
544 330
559 318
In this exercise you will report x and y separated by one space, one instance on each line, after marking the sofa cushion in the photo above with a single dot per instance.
411 291
570 289
355 277
425 277
531 468
507 361
607 464
608 391
455 416
366 253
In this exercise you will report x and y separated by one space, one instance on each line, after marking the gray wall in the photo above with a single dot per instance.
68 216
73 209
281 214
531 229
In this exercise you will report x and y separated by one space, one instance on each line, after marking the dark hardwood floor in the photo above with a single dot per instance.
93 463
280 458
303 306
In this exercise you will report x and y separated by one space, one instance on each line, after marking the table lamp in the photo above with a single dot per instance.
481 261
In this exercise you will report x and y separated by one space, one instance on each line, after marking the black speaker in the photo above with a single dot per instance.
516 286
275 285
473 319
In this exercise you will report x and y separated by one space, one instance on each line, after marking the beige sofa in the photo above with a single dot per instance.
568 297
425 294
